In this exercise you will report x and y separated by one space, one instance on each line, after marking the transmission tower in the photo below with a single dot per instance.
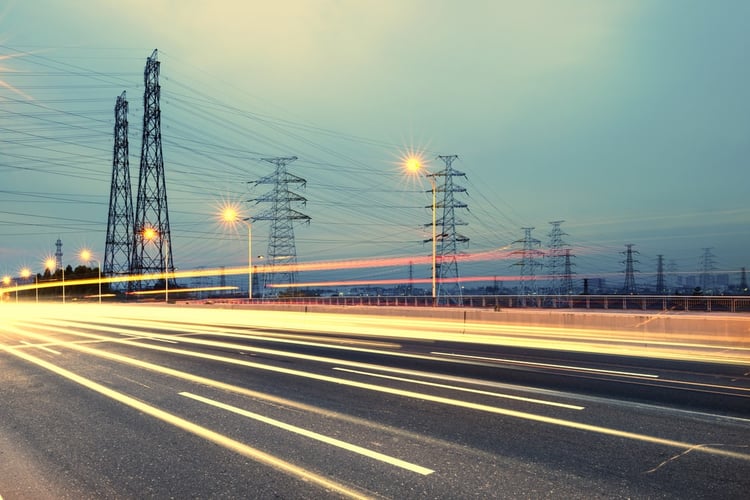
448 286
152 241
58 254
530 255
660 286
629 288
567 277
282 252
118 247
556 258
707 265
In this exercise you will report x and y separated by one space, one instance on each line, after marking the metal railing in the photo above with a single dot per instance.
591 302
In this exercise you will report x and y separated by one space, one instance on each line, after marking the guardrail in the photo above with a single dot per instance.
593 302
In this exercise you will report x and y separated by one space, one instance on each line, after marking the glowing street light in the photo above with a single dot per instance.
150 234
26 273
86 256
414 165
230 215
6 282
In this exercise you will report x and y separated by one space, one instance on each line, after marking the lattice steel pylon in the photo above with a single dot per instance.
282 251
556 256
708 265
448 286
118 246
629 288
661 287
530 255
567 277
152 240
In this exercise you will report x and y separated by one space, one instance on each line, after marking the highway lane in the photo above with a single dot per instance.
123 406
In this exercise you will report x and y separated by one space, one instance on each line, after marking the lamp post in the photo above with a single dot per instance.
150 234
26 273
87 257
52 264
6 282
415 166
231 216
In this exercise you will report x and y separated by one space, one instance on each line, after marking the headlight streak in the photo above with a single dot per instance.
463 359
334 361
319 359
547 365
186 425
314 435
447 401
461 389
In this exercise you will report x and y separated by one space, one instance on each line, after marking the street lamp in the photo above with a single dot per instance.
87 257
150 234
6 282
231 216
414 165
52 264
26 273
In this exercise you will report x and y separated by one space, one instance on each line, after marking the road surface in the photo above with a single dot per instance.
175 402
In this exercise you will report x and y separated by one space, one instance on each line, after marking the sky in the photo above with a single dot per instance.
628 120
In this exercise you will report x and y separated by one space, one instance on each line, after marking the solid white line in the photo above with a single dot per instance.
546 365
464 389
39 347
193 428
314 435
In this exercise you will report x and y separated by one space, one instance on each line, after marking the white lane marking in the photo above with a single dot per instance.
464 389
419 396
314 435
192 427
546 365
40 347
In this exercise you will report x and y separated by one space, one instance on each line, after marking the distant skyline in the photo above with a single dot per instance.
629 120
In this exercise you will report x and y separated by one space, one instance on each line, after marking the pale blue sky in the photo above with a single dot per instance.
630 120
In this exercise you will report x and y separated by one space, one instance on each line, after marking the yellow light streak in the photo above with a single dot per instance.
185 290
193 428
463 389
203 381
314 435
547 365
443 400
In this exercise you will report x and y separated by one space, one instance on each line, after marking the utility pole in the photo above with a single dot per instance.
708 265
530 255
661 289
282 251
118 247
152 241
448 285
629 288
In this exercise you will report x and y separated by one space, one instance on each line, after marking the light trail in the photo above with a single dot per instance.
532 417
547 365
314 435
462 389
193 428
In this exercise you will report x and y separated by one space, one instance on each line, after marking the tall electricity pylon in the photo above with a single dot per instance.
530 255
282 252
557 258
118 247
567 277
152 240
629 288
448 286
708 265
661 288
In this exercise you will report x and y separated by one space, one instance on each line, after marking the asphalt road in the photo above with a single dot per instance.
143 403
